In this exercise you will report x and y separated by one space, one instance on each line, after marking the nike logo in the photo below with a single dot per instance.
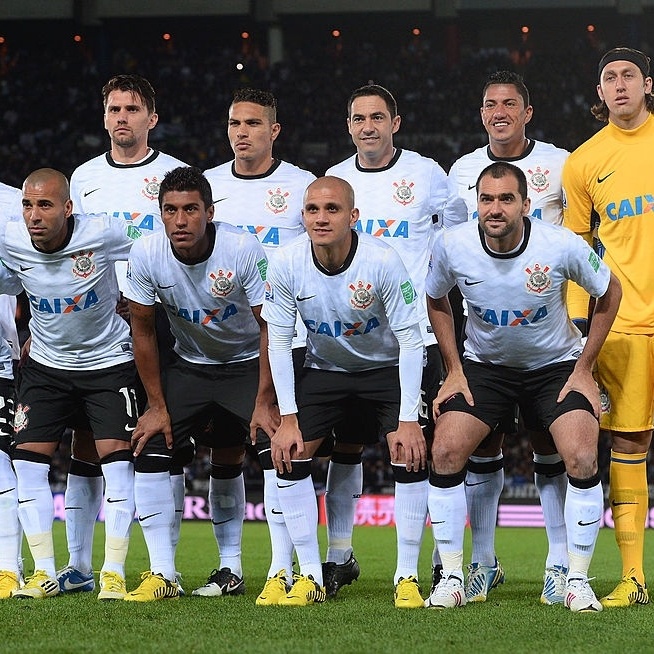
286 485
128 428
302 299
585 524
87 193
69 585
471 187
438 522
25 501
276 512
467 283
221 522
601 179
72 508
111 500
614 503
143 518
476 483
217 201
7 491
25 268
162 286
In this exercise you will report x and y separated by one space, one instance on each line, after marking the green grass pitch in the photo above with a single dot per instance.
361 619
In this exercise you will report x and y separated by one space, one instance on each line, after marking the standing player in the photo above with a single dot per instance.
124 183
358 303
263 195
608 179
521 348
209 277
80 362
505 112
399 196
10 531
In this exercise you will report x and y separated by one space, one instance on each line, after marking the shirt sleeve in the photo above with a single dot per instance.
253 275
139 283
439 277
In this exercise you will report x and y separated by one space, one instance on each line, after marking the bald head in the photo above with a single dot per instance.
50 177
336 184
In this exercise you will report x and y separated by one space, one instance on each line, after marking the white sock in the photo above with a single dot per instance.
298 502
83 501
118 513
10 530
281 544
448 513
153 495
227 503
344 486
36 512
178 483
583 514
410 520
483 492
552 491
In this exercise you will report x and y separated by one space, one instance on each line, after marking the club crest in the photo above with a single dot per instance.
222 283
277 201
538 180
83 264
538 280
151 188
403 192
361 298
20 417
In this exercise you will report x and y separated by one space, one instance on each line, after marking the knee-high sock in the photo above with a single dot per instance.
483 485
36 512
344 486
118 512
629 502
448 513
551 483
82 501
178 483
153 495
10 530
411 490
227 505
297 498
584 506
281 544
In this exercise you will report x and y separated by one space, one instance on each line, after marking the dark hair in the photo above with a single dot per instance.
186 178
636 57
374 89
508 77
499 169
256 96
134 84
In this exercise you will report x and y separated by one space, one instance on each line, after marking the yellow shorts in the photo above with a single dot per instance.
625 370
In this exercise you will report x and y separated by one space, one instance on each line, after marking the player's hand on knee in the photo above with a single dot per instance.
154 421
583 382
454 383
266 417
286 443
408 444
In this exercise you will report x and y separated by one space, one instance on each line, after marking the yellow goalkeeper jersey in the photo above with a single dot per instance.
611 177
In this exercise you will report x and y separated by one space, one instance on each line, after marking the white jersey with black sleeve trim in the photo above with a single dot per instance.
542 164
350 315
517 313
72 292
128 192
401 204
208 302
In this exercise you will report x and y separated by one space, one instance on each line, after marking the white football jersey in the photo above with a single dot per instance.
350 315
541 163
268 206
10 205
517 314
72 296
128 192
399 204
208 303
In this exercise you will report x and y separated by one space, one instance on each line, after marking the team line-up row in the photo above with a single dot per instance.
332 293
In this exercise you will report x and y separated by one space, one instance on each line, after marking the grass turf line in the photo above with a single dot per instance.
361 619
